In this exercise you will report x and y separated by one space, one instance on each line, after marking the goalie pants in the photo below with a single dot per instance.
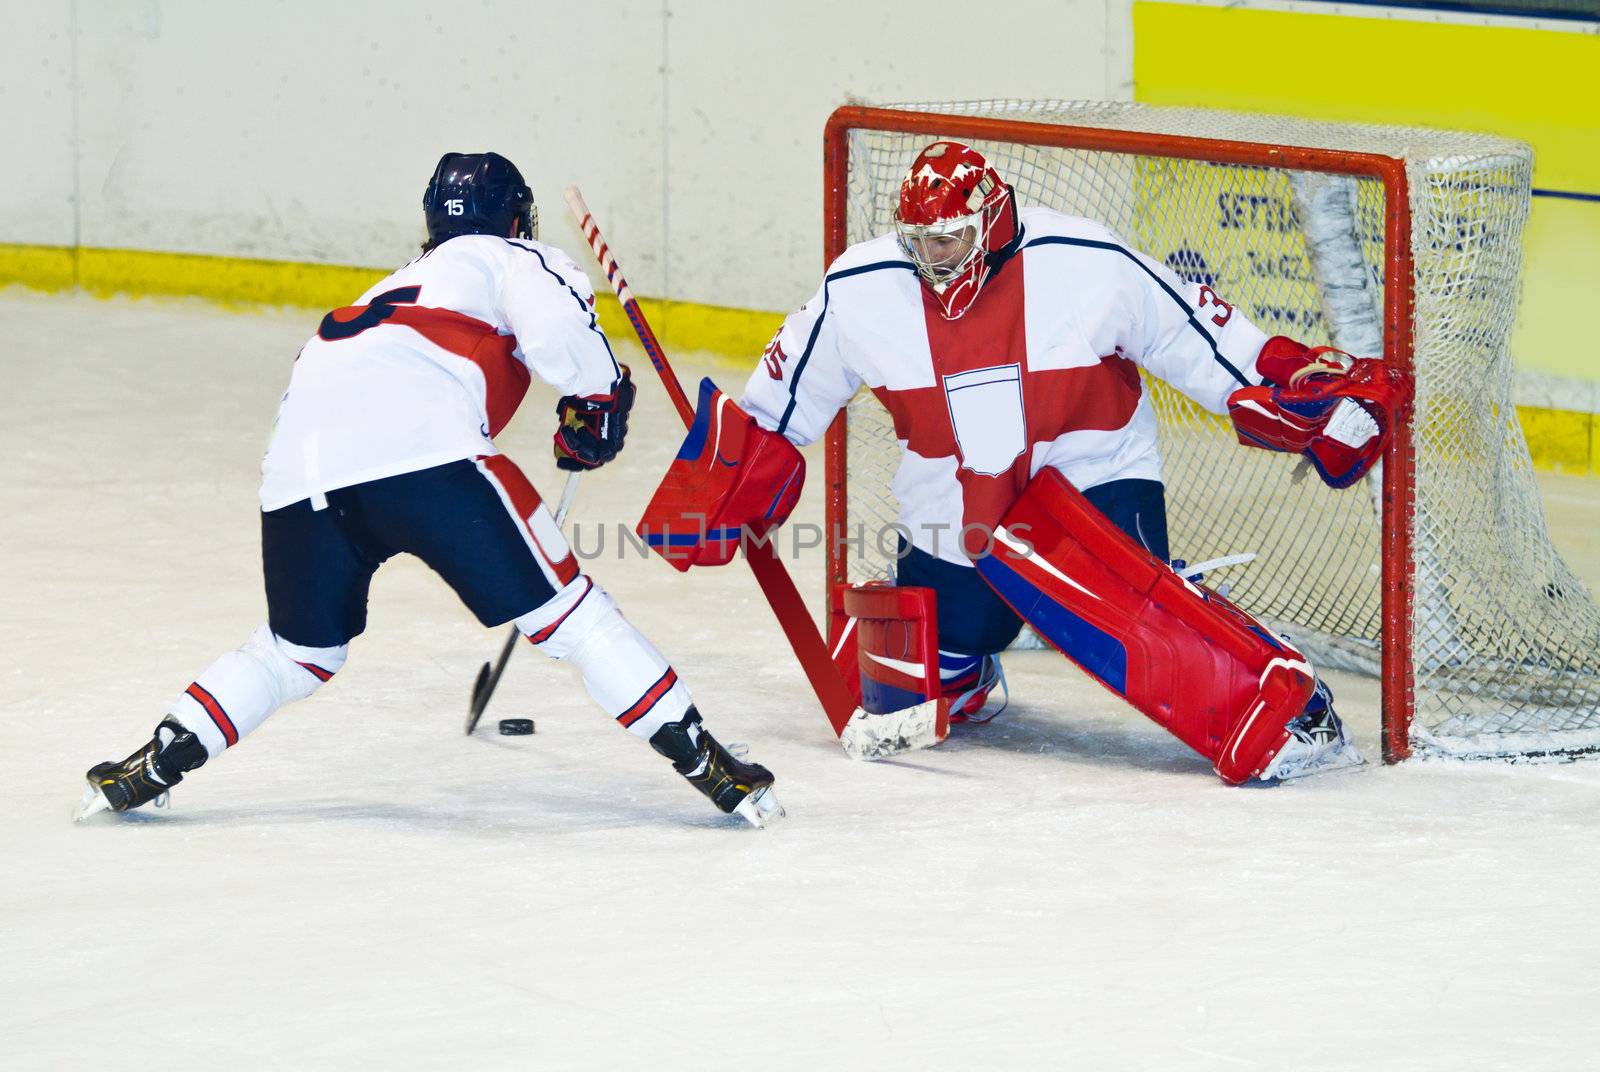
482 527
974 620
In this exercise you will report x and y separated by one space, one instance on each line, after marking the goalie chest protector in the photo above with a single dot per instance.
1185 656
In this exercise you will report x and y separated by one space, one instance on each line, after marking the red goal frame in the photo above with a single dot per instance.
1398 491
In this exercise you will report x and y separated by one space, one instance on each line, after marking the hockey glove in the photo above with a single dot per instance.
732 478
1335 410
593 427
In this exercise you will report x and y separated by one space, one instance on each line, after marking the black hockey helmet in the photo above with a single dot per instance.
478 193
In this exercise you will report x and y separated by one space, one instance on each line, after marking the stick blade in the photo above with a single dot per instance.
870 736
480 698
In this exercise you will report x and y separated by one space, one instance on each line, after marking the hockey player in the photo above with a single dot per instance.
384 444
1007 344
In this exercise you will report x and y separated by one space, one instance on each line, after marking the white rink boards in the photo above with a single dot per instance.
359 885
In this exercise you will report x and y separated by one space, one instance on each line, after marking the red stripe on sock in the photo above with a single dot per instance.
318 672
651 697
218 716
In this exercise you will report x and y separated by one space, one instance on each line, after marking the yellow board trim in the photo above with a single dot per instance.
1560 440
729 337
732 338
47 268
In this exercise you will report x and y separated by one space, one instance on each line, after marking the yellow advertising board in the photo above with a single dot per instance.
1389 65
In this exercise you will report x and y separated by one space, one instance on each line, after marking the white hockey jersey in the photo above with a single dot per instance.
1042 370
431 363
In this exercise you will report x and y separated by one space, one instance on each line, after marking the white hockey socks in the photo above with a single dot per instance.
622 671
236 693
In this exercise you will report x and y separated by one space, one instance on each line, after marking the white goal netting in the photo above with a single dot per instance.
1506 640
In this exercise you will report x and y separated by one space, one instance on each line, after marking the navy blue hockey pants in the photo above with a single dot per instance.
478 523
973 620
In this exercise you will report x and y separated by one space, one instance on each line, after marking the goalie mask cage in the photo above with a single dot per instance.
1437 573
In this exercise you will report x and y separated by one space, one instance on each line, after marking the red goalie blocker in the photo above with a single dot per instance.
731 478
1193 662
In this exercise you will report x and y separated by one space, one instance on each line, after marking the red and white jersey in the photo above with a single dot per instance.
1043 370
431 363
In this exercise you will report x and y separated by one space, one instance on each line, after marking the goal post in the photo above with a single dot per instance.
1440 579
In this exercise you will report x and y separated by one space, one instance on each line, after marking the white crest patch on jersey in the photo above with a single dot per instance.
986 413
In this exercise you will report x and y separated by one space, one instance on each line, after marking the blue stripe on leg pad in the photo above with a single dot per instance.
879 697
1097 651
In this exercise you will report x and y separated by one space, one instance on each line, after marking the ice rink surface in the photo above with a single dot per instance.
361 886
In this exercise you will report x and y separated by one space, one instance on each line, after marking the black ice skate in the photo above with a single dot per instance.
732 785
144 776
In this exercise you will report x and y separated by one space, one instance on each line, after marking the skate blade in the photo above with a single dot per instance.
92 803
760 808
479 700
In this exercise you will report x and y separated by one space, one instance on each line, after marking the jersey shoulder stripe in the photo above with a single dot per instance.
861 259
586 307
1124 251
800 365
883 248
877 266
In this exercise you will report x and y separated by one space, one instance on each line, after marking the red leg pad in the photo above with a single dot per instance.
897 645
1186 657
887 651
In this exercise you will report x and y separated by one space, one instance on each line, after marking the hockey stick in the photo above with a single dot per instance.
488 677
863 735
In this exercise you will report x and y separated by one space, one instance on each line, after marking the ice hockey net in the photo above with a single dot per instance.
1438 574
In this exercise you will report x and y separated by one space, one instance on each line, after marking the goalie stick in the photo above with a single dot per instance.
863 735
489 677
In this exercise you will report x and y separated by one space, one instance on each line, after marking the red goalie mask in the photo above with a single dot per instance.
957 222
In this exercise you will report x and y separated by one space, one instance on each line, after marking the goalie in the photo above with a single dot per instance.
1007 344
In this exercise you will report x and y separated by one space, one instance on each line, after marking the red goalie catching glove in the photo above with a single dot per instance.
731 478
592 427
1335 410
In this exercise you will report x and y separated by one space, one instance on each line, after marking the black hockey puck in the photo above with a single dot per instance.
516 727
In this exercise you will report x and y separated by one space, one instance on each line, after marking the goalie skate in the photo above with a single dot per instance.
1318 743
969 705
